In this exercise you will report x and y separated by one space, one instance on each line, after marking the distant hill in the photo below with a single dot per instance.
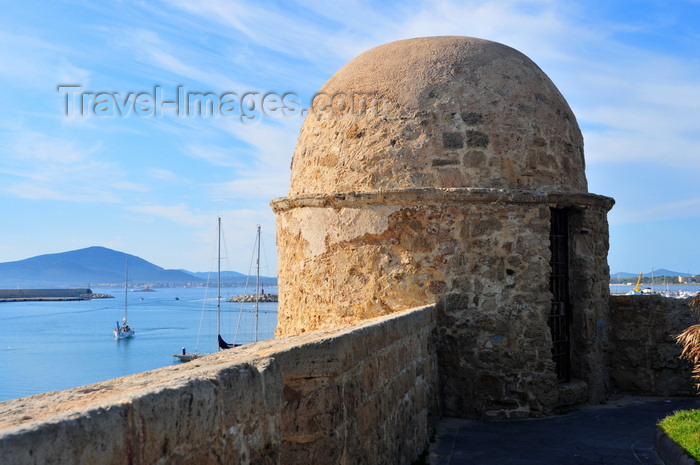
210 274
664 272
100 266
623 275
231 277
655 273
91 266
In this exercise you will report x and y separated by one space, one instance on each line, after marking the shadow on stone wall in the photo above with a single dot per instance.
643 355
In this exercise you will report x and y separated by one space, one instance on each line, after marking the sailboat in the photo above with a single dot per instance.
124 331
222 344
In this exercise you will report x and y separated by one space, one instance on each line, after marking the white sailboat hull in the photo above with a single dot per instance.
123 334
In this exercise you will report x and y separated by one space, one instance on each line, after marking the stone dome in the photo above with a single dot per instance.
439 112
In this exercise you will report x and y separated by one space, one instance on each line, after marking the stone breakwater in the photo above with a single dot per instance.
21 295
253 298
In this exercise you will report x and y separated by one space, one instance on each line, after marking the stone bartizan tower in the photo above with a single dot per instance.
450 170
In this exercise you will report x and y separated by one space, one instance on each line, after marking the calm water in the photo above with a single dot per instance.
45 346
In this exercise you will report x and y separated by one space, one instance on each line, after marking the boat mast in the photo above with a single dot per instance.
126 292
257 284
218 285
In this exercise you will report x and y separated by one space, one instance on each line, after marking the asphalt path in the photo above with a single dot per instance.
620 432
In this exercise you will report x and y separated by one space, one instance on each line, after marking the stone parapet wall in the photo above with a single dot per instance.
644 357
363 393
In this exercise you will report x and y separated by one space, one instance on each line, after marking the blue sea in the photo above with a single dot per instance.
46 346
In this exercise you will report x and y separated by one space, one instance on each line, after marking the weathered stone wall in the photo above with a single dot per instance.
494 347
364 393
362 255
643 354
589 288
482 254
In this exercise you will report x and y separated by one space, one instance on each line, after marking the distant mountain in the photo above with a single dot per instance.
655 273
623 275
209 274
231 277
664 272
92 266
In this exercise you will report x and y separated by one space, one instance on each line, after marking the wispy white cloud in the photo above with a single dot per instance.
215 155
41 166
268 176
273 141
685 208
268 28
167 176
187 64
180 214
33 62
35 148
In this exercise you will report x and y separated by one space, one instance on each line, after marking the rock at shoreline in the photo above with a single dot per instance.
252 298
101 296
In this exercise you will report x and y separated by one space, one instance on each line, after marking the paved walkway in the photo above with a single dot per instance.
620 432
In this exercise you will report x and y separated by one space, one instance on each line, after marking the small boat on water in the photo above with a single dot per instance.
124 331
185 357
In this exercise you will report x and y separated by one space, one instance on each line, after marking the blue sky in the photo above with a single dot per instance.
153 185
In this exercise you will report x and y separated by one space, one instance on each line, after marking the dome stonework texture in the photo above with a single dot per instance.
442 170
446 112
